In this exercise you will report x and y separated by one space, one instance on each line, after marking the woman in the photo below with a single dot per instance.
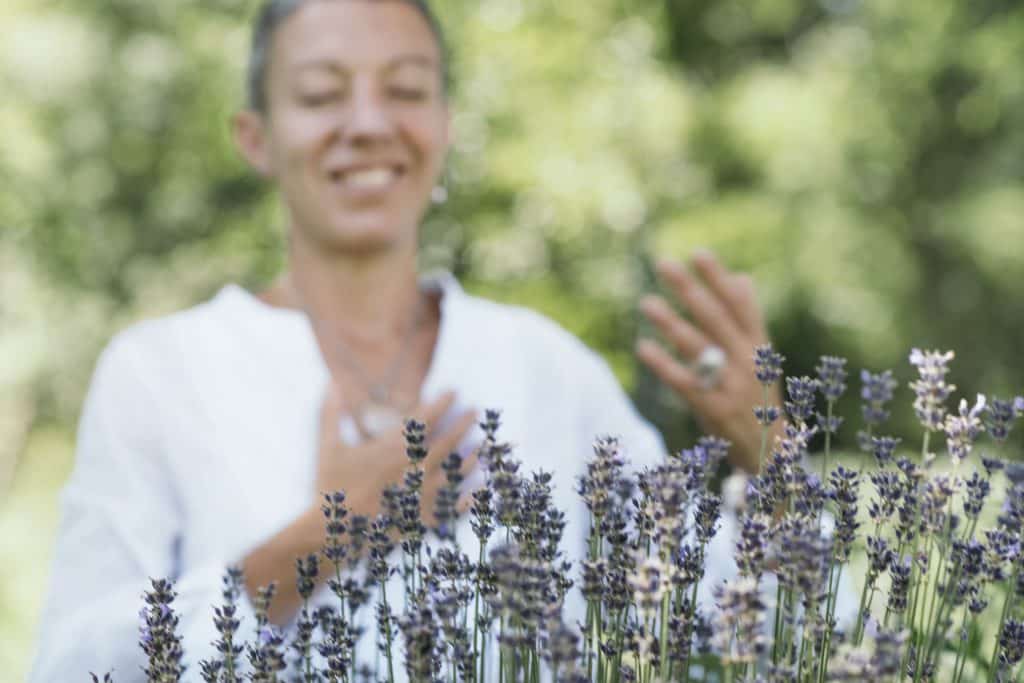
208 435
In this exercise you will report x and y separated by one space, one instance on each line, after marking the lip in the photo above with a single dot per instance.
336 176
337 171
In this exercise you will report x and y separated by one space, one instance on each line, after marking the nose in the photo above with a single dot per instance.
369 119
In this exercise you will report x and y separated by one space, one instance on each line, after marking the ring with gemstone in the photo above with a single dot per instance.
709 366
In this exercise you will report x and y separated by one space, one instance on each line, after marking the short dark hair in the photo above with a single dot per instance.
275 12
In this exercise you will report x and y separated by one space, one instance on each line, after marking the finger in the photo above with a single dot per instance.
736 292
707 311
668 369
432 412
331 412
747 307
448 441
684 336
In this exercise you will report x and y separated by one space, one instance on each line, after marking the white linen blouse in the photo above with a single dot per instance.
198 442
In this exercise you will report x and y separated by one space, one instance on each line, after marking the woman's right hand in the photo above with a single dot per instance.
364 470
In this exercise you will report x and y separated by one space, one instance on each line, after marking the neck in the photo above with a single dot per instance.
367 298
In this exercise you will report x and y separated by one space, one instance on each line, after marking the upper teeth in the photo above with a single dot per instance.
369 177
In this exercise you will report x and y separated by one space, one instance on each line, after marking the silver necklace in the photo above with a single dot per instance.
378 413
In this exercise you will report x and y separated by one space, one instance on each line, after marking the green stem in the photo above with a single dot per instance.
858 629
619 642
483 656
387 630
800 658
764 431
777 632
828 444
476 606
830 613
664 636
927 630
501 652
917 630
957 664
1007 607
946 605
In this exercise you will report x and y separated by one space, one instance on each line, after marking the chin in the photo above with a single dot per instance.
369 234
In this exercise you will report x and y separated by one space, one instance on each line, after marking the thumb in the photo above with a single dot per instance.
331 411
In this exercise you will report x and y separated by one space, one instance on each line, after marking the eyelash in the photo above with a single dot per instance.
319 99
409 94
404 94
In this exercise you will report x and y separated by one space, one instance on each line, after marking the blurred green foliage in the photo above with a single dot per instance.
862 158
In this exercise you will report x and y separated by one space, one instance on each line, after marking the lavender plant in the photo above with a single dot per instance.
907 536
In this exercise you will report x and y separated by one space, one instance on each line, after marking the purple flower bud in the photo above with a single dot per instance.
883 448
1011 643
415 441
876 391
800 405
1001 415
768 364
898 591
267 634
831 377
766 415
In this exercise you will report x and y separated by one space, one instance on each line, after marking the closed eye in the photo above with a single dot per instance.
408 94
319 99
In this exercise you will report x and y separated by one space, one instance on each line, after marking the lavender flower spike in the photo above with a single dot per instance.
800 405
1011 643
963 430
738 630
768 363
876 392
649 582
1001 414
831 377
931 389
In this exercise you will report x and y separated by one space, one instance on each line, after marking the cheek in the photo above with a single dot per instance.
302 141
429 137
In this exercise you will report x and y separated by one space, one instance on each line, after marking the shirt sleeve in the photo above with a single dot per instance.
120 525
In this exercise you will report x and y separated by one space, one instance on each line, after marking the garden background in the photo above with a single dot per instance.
864 159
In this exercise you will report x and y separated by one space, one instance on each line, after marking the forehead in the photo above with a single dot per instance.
353 33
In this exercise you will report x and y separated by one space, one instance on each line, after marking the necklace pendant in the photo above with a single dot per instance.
376 417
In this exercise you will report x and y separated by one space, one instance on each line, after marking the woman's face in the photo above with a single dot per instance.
356 127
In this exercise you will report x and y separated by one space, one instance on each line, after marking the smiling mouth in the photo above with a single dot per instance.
370 179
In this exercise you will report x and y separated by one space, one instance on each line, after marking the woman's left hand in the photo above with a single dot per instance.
724 312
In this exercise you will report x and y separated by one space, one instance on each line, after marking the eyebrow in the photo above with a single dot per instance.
324 63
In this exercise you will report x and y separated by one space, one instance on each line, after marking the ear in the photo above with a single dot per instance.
252 139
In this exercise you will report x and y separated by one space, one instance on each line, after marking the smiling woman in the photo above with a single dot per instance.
384 88
209 436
